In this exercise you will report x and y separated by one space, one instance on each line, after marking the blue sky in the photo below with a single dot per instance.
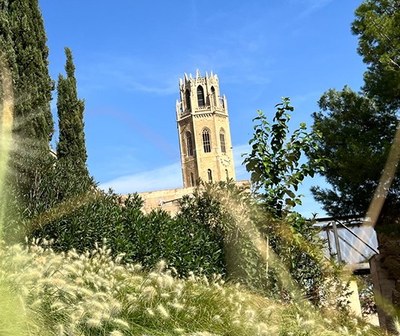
129 56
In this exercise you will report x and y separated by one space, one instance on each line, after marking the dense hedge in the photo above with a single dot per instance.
182 242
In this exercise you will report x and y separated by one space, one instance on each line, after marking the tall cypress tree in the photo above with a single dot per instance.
24 52
7 53
71 148
33 84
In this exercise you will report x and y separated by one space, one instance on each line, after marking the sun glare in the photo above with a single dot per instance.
5 133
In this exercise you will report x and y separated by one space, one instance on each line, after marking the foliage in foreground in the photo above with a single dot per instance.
206 235
93 294
275 159
277 171
146 238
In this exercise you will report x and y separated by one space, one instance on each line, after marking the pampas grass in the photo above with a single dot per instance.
93 294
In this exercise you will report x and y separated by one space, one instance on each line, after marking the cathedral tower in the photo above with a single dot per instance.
204 134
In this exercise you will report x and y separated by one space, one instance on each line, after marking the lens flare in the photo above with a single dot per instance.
6 125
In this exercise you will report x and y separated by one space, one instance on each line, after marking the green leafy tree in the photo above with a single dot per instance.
358 129
71 148
276 172
377 25
357 136
275 159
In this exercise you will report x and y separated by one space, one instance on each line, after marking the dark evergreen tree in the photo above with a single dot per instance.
357 136
71 148
7 54
377 25
358 128
24 53
33 84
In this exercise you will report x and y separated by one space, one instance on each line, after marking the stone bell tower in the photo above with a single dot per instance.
203 128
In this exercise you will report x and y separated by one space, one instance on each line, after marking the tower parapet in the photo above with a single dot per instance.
199 94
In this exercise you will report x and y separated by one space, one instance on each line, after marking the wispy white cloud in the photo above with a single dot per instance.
310 6
121 162
238 51
166 177
128 74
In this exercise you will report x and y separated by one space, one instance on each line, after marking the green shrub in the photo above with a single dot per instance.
82 221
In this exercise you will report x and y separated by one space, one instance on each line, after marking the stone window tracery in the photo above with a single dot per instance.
222 140
206 140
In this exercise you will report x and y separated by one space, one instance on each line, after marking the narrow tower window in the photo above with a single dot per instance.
200 96
187 100
209 174
227 174
222 140
222 102
206 141
213 96
189 144
191 180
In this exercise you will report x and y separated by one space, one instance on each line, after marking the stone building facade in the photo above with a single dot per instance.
204 140
203 131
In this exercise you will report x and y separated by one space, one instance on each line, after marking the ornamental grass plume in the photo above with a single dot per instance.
121 304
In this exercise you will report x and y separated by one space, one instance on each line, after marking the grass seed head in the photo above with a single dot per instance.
116 333
150 312
149 292
121 323
163 312
93 323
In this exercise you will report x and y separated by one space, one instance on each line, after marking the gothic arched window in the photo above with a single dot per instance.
189 144
200 96
187 100
209 174
206 140
222 140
